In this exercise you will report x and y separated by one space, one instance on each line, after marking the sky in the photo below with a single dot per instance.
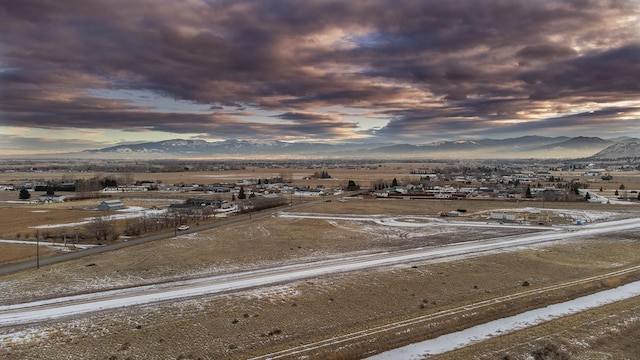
78 74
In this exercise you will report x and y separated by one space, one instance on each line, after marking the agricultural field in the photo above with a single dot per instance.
326 311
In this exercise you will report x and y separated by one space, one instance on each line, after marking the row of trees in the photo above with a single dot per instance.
321 175
381 184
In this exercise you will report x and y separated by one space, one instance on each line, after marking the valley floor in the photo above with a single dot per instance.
447 293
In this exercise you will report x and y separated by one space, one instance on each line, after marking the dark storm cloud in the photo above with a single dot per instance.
428 67
604 76
546 51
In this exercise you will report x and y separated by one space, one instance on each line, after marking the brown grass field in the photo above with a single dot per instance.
255 322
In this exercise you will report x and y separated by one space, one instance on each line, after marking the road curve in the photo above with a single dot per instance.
67 306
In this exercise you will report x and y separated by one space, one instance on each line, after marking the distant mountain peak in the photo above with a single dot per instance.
522 147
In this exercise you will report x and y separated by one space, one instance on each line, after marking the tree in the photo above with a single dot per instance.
109 183
379 184
101 229
321 175
241 194
528 194
24 194
394 182
587 196
575 189
621 186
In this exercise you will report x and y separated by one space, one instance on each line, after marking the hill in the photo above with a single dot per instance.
626 149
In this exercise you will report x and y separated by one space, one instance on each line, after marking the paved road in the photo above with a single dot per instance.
11 315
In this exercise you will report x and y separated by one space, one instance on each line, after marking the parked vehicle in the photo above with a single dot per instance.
183 227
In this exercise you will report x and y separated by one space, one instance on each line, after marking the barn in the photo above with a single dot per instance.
111 205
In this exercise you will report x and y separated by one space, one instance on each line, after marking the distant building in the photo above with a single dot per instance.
52 198
190 209
216 203
111 205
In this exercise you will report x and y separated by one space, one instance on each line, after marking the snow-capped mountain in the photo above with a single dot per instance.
521 147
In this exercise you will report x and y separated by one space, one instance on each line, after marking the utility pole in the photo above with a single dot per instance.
37 252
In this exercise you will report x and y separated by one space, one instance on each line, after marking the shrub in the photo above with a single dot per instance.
550 351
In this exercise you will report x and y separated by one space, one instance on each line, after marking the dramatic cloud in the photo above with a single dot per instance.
323 70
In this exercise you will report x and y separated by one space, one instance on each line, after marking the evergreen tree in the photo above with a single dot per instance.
528 194
24 194
241 194
394 182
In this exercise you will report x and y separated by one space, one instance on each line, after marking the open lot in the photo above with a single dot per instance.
258 321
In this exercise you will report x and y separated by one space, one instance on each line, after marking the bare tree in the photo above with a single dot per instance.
101 229
132 227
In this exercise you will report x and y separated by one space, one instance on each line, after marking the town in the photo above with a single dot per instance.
248 187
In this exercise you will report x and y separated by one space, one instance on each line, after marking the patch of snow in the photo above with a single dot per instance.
129 213
509 324
43 243
25 336
131 209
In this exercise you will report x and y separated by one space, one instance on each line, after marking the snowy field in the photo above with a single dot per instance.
596 222
498 327
130 212
103 300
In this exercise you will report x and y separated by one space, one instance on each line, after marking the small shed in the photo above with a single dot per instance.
111 205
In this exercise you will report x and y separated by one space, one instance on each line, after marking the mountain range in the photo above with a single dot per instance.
521 147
